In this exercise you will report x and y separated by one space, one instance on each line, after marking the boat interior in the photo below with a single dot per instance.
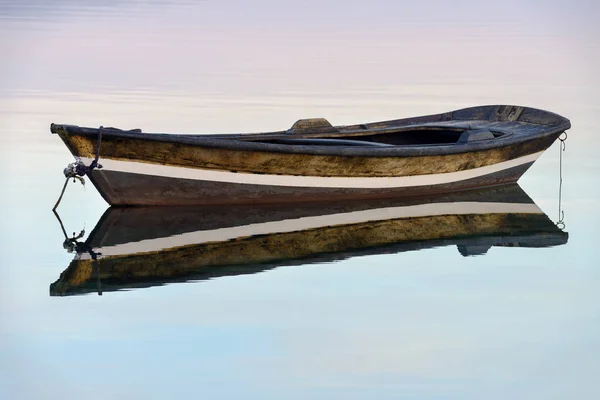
442 134
463 126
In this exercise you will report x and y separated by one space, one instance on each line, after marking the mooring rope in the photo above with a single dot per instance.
77 170
561 214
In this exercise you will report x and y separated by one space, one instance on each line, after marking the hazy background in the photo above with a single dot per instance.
515 323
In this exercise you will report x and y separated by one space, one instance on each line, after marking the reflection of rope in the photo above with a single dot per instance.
561 214
72 244
97 270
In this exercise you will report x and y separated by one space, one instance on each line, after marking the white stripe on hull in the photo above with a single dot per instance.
308 181
305 223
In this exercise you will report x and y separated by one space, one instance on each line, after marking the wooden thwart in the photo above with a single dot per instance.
312 125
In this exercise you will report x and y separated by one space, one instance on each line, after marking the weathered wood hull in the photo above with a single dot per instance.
122 188
150 246
154 169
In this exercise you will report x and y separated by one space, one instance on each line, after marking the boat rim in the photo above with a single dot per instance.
505 137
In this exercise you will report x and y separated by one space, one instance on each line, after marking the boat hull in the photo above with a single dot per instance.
161 169
123 187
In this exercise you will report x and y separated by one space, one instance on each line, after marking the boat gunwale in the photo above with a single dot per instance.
233 142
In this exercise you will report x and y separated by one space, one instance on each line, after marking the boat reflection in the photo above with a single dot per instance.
142 247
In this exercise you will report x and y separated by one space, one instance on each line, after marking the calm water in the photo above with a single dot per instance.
513 323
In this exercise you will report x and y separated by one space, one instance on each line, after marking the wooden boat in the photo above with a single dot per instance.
136 247
468 148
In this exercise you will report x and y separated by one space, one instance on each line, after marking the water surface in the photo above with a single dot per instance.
515 322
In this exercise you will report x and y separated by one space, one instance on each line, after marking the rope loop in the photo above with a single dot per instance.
563 140
78 169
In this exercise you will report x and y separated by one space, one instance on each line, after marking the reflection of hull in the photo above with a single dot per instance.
149 246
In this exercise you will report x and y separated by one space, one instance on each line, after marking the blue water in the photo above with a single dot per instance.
519 323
